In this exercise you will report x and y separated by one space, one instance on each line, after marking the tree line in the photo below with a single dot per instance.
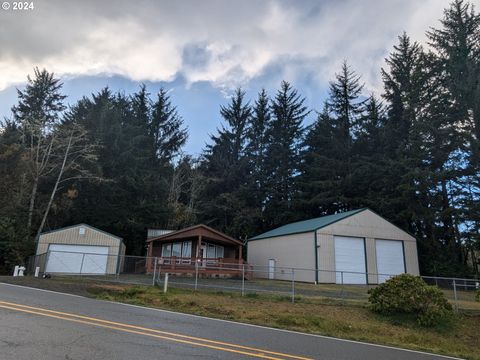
115 161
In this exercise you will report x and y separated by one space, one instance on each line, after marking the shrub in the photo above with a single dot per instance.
477 296
408 294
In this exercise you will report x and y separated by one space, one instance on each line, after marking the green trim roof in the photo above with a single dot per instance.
306 225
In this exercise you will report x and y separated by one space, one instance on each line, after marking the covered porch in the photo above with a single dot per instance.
196 249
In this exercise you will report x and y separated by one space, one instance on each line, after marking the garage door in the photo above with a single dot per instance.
350 260
390 259
77 259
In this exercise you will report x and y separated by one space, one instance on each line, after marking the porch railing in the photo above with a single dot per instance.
182 262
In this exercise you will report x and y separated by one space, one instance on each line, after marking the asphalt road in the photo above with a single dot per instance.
39 324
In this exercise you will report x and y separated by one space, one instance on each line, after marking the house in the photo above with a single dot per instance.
79 249
181 251
339 248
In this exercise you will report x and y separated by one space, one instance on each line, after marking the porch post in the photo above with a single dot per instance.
149 250
199 244
197 250
149 255
240 252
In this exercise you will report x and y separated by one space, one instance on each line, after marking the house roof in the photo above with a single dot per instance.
306 225
81 225
196 230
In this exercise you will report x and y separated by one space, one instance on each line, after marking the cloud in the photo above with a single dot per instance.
227 43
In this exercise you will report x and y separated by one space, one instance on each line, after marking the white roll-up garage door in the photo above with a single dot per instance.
77 259
350 260
390 259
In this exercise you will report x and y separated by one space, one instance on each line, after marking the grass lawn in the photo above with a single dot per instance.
459 336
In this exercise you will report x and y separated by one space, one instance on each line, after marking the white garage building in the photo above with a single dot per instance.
79 249
354 247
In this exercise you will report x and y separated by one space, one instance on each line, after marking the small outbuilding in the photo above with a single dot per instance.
354 247
79 249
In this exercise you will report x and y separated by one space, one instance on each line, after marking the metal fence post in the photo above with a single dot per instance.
154 271
165 283
119 261
81 266
243 279
341 292
455 295
196 274
293 285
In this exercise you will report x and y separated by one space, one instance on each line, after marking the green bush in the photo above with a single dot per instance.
408 294
477 296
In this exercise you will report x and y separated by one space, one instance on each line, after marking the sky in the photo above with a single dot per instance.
202 50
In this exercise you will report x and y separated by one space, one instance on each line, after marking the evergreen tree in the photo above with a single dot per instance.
404 84
370 167
283 154
345 104
408 183
456 67
15 242
320 178
37 113
166 128
40 104
370 129
256 152
327 172
224 168
457 46
131 132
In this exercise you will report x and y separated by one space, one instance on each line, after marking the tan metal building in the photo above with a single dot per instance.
354 247
79 249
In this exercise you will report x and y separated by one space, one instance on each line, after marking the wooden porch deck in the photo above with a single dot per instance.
209 267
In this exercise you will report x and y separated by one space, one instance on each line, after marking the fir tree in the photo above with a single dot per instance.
345 104
256 153
166 128
38 111
283 153
225 167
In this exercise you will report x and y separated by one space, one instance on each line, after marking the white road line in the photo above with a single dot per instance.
244 324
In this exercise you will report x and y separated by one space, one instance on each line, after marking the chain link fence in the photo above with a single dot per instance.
247 280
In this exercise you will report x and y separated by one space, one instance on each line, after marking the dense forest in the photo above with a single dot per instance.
115 161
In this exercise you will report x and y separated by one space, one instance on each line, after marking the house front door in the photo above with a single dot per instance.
271 269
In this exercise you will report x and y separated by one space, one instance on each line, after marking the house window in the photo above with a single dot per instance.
186 252
177 249
187 249
214 251
211 251
219 251
81 231
167 250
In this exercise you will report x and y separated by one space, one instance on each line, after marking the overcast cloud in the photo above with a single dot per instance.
227 43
